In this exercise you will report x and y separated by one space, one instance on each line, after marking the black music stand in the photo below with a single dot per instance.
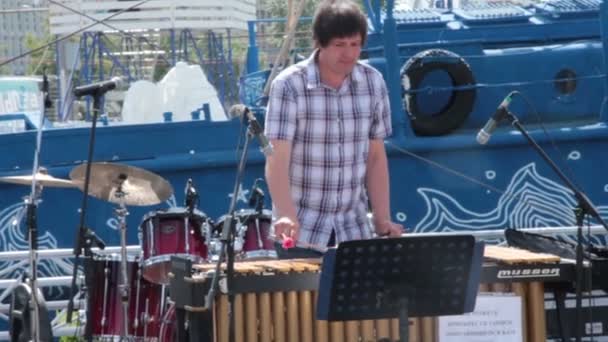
400 277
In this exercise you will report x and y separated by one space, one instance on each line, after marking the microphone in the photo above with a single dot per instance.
240 110
484 134
92 238
191 196
257 195
99 87
45 91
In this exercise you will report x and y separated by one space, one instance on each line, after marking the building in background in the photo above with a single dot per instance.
18 18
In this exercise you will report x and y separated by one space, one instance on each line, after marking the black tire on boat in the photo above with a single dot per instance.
460 103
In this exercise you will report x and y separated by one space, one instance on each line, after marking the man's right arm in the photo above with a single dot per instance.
277 178
280 126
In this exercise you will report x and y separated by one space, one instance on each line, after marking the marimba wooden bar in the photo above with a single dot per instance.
287 314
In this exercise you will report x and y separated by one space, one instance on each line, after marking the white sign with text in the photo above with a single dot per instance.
497 318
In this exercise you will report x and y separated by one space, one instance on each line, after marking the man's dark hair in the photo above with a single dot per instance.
338 19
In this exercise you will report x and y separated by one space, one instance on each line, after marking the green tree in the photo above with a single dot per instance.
272 35
278 9
43 59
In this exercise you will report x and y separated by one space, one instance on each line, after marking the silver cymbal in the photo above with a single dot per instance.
43 179
139 187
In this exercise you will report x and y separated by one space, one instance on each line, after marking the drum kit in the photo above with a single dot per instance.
127 297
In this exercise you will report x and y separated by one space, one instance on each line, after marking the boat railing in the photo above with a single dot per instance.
60 328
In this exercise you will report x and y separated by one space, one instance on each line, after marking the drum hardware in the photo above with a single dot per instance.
28 315
240 230
190 201
181 233
259 234
215 248
122 185
253 239
150 228
187 233
121 214
105 317
106 272
136 321
207 230
146 319
168 331
21 320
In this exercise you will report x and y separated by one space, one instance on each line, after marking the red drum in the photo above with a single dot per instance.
172 232
253 234
105 310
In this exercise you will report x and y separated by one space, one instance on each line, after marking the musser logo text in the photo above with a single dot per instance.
529 273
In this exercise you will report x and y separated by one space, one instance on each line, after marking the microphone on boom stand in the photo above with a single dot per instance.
256 197
584 206
97 91
501 112
191 196
45 91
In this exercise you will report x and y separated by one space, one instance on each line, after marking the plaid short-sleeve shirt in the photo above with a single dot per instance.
330 130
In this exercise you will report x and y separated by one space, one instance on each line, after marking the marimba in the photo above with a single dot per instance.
275 299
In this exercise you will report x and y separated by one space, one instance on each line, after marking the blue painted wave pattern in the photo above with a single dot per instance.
530 200
13 237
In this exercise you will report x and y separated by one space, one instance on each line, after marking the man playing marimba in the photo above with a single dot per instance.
327 117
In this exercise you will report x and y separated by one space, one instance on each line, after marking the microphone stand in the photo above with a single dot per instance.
227 249
584 207
256 201
191 198
82 230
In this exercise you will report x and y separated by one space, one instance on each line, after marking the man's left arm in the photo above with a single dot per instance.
377 183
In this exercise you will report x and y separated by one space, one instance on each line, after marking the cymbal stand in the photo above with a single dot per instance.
122 213
31 203
31 219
